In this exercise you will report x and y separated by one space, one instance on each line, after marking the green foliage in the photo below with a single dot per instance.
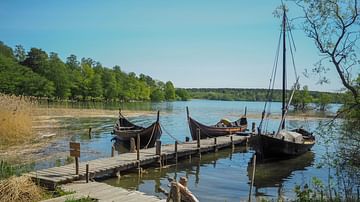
238 94
169 91
301 99
7 170
38 74
323 101
182 94
157 95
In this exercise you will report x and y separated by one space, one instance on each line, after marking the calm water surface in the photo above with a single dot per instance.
216 177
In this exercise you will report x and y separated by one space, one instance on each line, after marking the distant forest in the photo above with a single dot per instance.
238 94
37 73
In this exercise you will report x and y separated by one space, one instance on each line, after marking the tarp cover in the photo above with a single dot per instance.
290 136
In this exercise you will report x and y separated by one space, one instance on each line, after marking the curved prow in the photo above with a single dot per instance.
187 111
158 116
120 112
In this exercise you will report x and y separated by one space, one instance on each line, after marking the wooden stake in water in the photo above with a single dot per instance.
87 173
90 133
253 176
215 144
176 152
138 147
112 150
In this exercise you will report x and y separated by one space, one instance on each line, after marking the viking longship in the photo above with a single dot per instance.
125 130
222 128
282 142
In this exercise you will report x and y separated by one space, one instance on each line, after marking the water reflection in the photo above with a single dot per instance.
273 173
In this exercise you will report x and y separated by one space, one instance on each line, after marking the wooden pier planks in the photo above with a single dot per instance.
102 192
52 177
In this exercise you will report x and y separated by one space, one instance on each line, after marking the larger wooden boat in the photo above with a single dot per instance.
125 130
220 129
283 143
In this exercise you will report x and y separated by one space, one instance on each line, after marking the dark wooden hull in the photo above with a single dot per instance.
211 131
267 146
148 136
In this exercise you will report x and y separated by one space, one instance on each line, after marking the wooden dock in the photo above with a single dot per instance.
113 166
101 192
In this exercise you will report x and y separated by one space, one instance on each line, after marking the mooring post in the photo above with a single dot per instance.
112 150
90 133
198 142
253 176
253 127
138 148
198 137
176 152
76 165
87 173
232 141
215 144
132 145
158 147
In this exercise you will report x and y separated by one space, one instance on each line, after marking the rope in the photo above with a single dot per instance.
166 132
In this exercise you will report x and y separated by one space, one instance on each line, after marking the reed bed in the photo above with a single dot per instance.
15 120
21 188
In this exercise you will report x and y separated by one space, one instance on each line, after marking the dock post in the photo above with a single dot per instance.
232 141
138 148
158 152
90 133
253 176
87 173
112 150
77 165
215 144
158 147
176 152
253 127
198 142
132 145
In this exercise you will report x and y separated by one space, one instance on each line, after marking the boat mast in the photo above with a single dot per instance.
284 70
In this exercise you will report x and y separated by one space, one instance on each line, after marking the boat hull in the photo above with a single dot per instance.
125 130
211 131
267 146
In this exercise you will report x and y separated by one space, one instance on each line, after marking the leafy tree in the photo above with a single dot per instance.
157 95
323 101
57 73
20 80
182 94
95 85
301 99
6 50
20 53
169 91
37 60
109 83
334 26
72 62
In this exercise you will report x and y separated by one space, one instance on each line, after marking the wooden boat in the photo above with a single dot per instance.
125 130
283 143
217 130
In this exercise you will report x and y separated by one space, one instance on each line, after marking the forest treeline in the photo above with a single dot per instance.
37 73
301 100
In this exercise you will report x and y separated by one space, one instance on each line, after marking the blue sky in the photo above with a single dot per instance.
192 43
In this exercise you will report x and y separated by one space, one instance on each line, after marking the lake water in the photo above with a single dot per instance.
223 176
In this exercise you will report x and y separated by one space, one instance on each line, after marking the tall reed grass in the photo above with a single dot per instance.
15 120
